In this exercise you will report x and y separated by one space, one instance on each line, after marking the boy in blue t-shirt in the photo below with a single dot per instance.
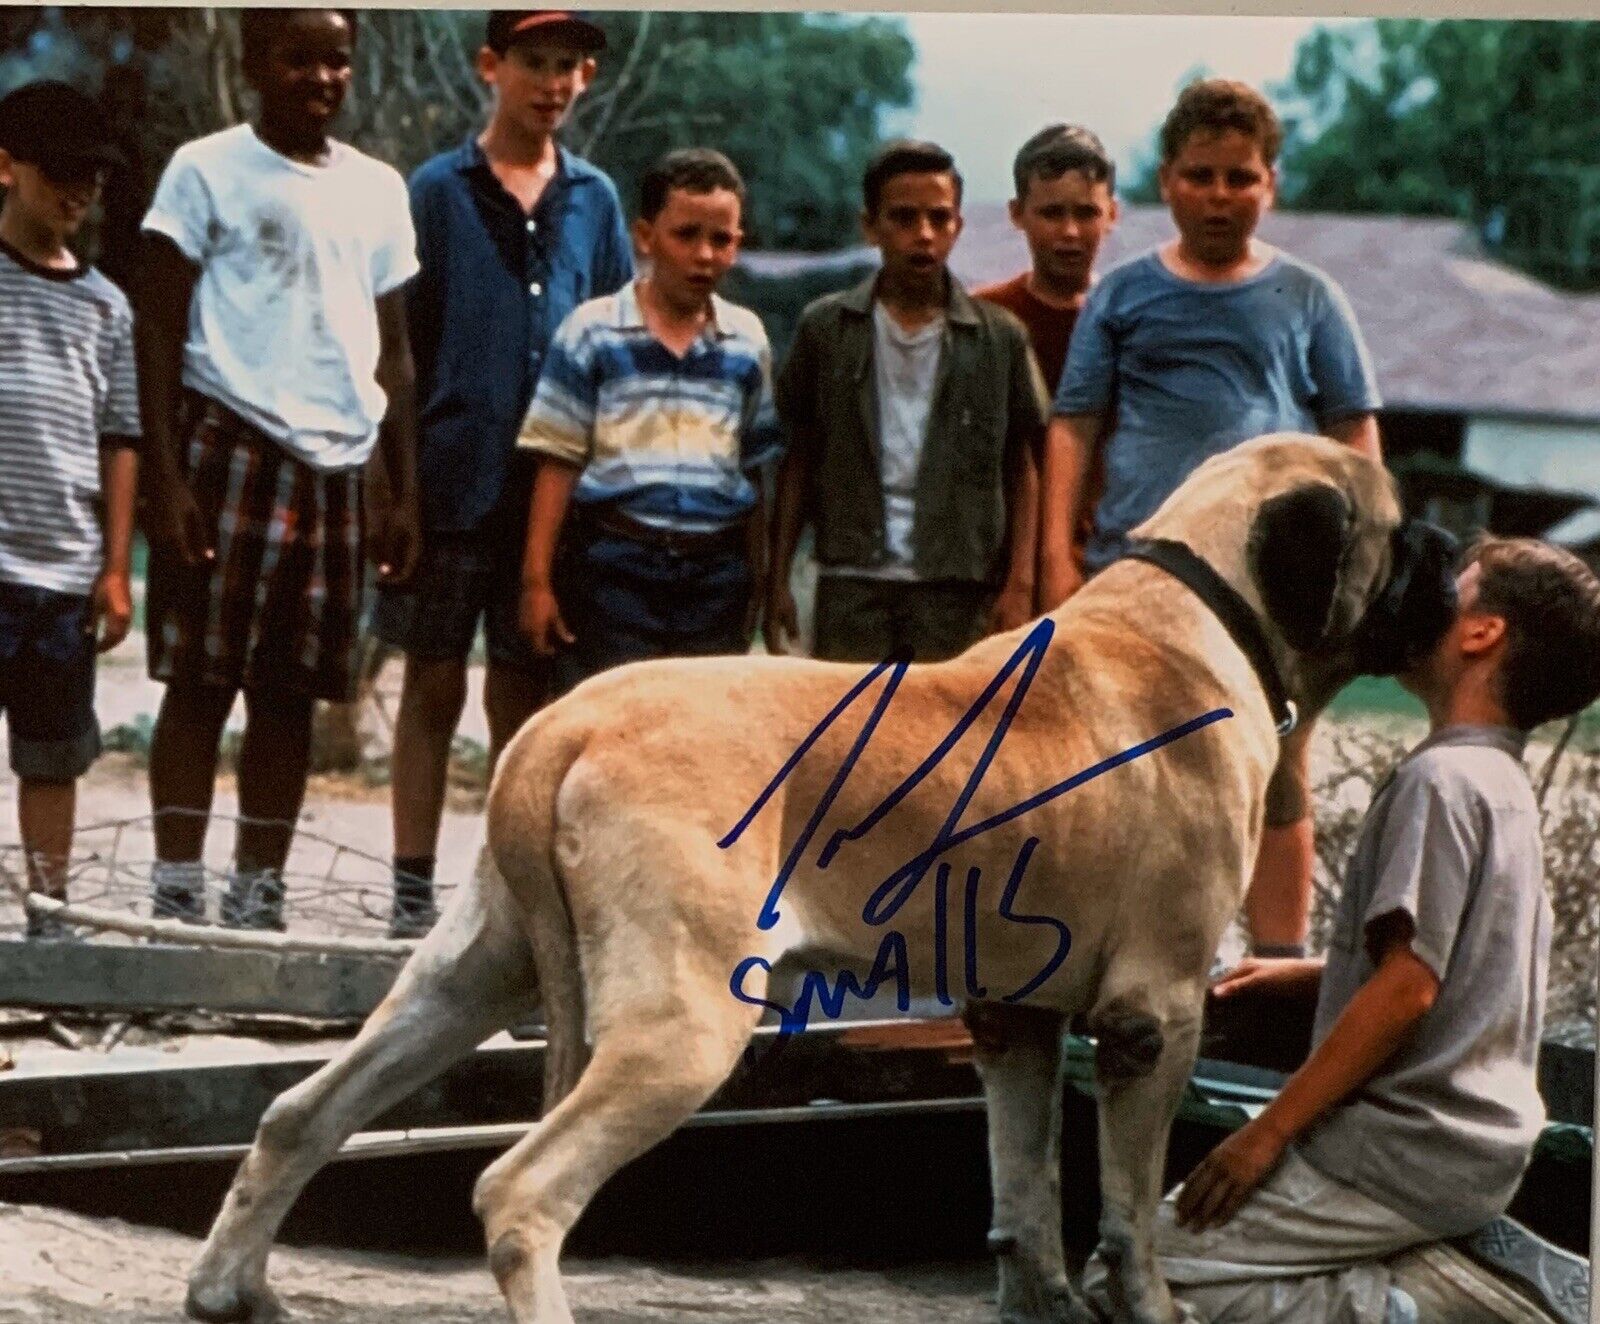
69 430
1184 352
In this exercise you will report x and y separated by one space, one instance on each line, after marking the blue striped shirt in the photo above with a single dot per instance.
671 441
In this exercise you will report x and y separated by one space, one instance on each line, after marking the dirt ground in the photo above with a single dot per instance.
60 1268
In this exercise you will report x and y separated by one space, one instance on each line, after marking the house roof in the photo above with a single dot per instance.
1450 331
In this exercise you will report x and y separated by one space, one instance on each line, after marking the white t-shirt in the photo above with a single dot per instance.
283 327
904 367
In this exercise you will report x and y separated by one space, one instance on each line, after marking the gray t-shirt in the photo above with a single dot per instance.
1192 369
1443 1132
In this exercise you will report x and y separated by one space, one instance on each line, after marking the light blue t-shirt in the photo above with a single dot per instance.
1191 370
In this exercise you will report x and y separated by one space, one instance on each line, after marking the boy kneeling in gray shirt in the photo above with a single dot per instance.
1416 1114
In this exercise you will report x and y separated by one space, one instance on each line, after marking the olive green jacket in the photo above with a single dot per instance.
989 400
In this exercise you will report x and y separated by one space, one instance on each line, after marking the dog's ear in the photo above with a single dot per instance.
1298 547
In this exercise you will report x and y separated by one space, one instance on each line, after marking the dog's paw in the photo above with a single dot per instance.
1058 1304
231 1305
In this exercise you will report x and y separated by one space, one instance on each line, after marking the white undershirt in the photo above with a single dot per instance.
905 364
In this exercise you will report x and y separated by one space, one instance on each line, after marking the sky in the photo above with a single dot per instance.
986 82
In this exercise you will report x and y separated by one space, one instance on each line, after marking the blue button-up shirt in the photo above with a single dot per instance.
495 283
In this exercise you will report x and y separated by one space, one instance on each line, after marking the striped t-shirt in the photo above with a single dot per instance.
672 442
67 385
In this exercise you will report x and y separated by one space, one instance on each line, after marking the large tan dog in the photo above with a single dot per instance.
636 854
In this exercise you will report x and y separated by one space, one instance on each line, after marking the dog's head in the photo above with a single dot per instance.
1312 532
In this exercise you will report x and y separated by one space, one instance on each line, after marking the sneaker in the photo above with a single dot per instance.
412 917
254 900
176 901
1557 1279
50 928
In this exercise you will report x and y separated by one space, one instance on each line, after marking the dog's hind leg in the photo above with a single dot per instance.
1143 1057
1019 1059
665 1031
472 975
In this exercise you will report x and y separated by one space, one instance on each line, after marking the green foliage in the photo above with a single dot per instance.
1491 122
794 99
1139 183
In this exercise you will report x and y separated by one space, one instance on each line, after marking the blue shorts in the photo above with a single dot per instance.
628 601
47 663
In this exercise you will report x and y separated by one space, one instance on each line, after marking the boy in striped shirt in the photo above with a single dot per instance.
69 429
652 421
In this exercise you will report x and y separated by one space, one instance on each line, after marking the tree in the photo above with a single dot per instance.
795 99
1491 122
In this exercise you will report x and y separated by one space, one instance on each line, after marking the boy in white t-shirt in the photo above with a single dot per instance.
273 362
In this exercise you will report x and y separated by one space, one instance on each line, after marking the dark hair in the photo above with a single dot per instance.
905 156
1216 105
693 169
1058 148
1550 602
258 28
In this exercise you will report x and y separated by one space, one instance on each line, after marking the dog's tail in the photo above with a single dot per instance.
522 840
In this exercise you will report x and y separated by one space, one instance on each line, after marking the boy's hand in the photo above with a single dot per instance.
540 617
752 609
401 546
1227 1175
1281 976
394 538
1012 607
781 628
112 610
1058 581
173 522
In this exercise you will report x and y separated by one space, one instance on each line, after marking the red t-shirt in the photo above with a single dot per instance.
1050 329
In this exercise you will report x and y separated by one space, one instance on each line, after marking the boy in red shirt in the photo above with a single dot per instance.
1065 206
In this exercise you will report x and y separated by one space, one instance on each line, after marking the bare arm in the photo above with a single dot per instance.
162 297
1014 606
392 471
794 393
113 597
1359 432
1368 1032
552 494
1068 448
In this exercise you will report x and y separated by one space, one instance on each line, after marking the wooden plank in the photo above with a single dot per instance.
126 977
113 1108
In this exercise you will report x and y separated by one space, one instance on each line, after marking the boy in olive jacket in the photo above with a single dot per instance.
912 411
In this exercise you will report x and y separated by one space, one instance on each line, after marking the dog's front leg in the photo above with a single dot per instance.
1142 1064
1019 1060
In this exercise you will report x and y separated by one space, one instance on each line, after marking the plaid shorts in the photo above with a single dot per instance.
280 605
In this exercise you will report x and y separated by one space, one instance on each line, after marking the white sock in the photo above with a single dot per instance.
179 875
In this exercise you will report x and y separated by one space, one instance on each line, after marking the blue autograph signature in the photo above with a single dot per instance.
893 892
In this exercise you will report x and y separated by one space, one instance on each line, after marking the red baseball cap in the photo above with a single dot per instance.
507 26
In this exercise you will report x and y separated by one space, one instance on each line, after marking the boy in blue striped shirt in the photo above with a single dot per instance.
652 422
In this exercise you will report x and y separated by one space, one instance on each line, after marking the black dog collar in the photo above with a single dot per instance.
1228 607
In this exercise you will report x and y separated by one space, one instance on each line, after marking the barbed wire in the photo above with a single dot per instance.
337 898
